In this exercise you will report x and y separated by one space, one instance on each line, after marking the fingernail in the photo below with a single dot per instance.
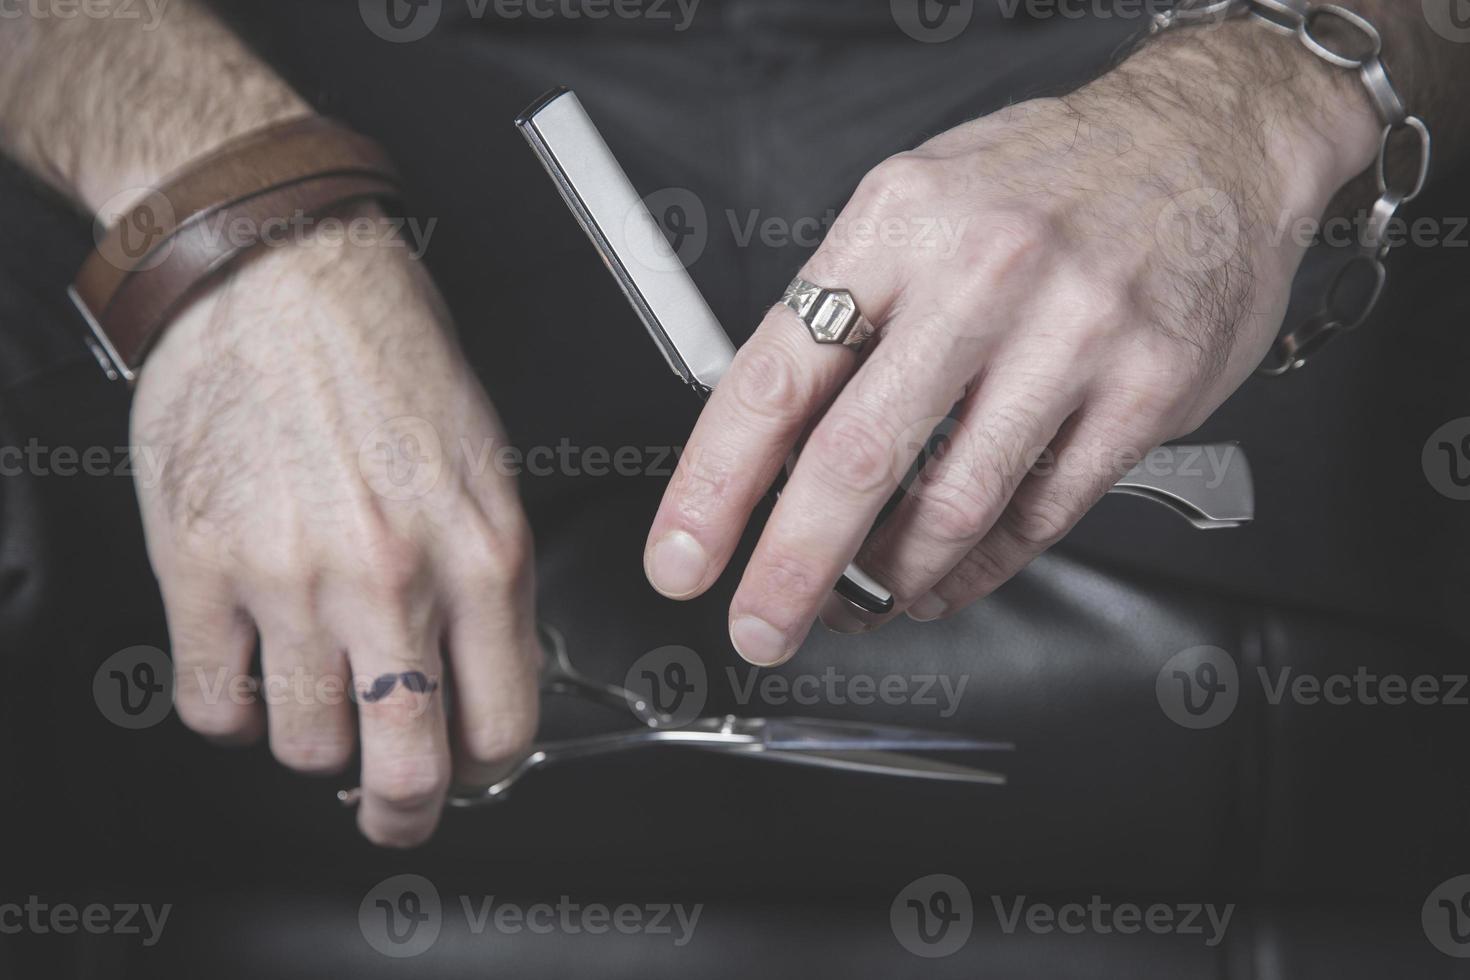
677 564
758 641
927 607
838 616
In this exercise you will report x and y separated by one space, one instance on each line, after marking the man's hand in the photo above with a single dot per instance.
1090 276
318 422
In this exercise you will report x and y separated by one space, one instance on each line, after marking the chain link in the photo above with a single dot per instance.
1359 282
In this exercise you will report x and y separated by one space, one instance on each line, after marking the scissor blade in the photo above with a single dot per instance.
887 764
630 241
817 735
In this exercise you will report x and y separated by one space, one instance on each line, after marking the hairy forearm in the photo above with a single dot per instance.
1241 77
107 106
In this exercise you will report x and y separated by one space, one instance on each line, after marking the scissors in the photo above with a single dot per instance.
687 332
884 750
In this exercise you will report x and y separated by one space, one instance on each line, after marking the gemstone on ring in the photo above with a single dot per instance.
830 315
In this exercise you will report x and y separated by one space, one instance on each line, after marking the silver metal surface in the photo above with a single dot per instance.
100 344
1381 91
1281 16
558 676
827 749
849 746
831 316
1306 30
629 240
1422 163
1209 486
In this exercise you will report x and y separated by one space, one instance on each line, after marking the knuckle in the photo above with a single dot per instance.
409 782
1144 395
388 566
285 569
210 718
499 740
903 177
1040 522
1011 436
322 754
769 384
702 483
788 575
977 574
1097 299
854 453
1007 244
958 512
398 835
494 556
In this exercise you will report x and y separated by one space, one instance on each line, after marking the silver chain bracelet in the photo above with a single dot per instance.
1343 308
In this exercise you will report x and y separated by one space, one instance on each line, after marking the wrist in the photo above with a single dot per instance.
1241 90
104 111
110 182
344 289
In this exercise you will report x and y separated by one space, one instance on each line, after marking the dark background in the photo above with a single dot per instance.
1329 826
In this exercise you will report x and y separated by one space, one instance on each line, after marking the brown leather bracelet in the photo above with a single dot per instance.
210 214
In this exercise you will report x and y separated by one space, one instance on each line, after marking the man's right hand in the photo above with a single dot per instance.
321 431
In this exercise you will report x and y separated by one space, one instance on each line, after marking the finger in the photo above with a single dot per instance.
398 684
494 652
778 381
846 472
1089 457
988 447
212 640
304 684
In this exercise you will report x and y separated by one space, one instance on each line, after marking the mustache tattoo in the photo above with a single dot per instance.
412 680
